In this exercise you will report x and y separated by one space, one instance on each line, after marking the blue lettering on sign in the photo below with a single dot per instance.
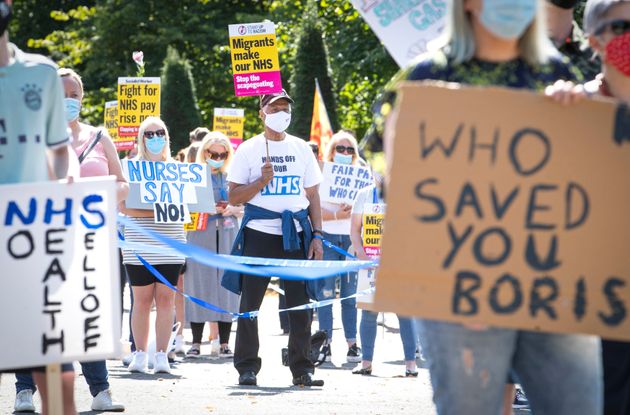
195 170
282 186
150 197
87 201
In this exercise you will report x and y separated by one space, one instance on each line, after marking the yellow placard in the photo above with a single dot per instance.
254 53
373 217
229 121
255 62
111 124
138 98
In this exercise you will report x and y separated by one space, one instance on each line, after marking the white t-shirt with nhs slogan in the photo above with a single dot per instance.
294 167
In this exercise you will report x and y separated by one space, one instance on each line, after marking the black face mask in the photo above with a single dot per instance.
564 4
5 16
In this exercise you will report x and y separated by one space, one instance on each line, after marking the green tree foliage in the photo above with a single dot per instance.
178 101
311 62
97 38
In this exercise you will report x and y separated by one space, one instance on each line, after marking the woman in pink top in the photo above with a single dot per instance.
102 160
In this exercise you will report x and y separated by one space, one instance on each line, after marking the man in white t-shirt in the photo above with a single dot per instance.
277 178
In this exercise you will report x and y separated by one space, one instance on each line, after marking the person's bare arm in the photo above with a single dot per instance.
356 225
242 193
134 213
315 250
60 163
113 163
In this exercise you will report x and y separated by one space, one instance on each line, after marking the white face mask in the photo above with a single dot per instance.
278 121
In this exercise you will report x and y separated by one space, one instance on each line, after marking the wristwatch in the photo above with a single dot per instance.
317 231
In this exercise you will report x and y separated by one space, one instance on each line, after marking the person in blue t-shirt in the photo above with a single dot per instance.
33 147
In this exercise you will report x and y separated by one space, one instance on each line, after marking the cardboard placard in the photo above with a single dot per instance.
58 246
177 188
111 124
138 98
255 63
342 182
405 28
508 209
229 121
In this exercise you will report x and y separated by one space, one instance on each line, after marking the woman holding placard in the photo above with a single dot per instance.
342 149
202 281
153 145
501 43
369 204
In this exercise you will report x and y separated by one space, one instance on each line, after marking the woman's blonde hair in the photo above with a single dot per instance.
329 154
215 137
69 73
458 39
142 149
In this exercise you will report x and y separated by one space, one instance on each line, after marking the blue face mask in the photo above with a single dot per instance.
342 158
156 144
215 164
508 19
72 108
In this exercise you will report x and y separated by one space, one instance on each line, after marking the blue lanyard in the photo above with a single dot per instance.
221 187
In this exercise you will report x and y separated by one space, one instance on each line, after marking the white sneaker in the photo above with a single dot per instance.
179 344
24 401
215 348
103 402
161 363
127 359
139 362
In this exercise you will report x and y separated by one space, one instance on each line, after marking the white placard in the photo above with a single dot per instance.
171 182
60 299
342 182
406 27
366 279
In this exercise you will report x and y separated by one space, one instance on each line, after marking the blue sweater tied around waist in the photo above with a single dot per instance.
232 280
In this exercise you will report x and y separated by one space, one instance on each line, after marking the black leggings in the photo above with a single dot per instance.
224 331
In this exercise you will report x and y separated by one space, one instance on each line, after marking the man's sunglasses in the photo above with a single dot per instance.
217 156
151 134
617 27
342 149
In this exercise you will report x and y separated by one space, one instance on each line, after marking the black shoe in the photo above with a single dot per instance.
307 380
354 354
520 400
247 379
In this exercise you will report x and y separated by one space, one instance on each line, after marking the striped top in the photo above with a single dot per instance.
169 230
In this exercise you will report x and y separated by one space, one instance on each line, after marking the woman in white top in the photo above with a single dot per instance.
153 145
342 149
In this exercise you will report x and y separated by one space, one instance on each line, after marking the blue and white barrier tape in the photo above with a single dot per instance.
296 270
248 314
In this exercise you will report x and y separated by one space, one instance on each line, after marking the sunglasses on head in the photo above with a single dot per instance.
151 134
217 156
617 27
342 149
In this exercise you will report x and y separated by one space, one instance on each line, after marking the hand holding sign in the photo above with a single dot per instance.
267 174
